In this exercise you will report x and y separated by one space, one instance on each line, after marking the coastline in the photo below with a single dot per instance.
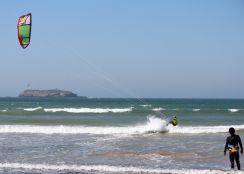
86 169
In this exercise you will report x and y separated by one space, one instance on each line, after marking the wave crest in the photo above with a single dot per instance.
152 125
233 110
107 168
89 110
32 109
203 129
158 109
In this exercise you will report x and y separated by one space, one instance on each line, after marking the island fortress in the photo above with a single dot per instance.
46 93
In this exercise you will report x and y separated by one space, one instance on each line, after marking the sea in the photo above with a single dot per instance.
117 136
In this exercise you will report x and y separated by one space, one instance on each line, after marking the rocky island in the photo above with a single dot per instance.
47 93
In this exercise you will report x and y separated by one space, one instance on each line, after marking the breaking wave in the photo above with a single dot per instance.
107 168
203 129
82 110
158 109
234 110
32 109
145 105
152 125
131 109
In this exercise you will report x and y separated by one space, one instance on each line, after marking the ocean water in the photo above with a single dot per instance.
116 135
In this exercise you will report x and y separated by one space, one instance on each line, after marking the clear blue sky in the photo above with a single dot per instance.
129 48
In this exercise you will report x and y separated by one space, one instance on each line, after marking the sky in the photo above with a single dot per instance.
129 48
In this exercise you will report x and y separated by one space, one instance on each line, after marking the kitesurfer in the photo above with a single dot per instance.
232 145
174 121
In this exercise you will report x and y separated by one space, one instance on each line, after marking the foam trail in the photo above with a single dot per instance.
145 105
153 124
158 109
107 168
233 110
89 110
203 129
32 109
196 110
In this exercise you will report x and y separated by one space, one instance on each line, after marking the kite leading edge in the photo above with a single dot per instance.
24 30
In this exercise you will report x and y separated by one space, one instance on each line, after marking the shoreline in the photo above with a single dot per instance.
109 169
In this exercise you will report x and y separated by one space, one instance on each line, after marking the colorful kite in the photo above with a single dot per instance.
24 30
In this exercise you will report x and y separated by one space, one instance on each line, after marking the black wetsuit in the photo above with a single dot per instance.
235 141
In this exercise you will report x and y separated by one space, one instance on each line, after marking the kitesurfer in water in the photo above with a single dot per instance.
174 121
232 145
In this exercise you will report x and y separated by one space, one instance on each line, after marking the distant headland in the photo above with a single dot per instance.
47 93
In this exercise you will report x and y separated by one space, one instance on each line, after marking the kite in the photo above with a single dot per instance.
24 30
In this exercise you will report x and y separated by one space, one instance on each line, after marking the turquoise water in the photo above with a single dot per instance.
103 111
116 135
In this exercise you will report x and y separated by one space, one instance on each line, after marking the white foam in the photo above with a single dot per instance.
196 110
158 109
203 129
89 110
108 168
32 109
3 110
233 110
153 124
145 105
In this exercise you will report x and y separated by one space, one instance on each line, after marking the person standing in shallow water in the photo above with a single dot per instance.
232 145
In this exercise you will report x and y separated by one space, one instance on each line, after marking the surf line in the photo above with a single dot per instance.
153 125
106 168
